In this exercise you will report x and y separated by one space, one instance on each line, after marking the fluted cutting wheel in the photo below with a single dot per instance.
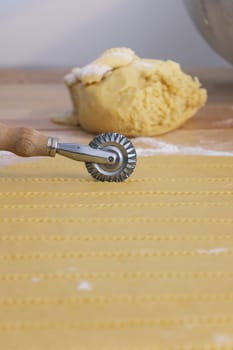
126 158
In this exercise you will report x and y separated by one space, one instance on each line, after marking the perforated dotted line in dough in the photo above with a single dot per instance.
43 179
114 193
184 179
117 275
198 321
118 220
119 237
111 254
120 299
171 164
187 346
149 180
116 205
192 165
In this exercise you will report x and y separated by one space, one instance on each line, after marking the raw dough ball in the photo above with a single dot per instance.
137 97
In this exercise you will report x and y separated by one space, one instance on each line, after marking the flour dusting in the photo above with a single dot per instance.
72 269
143 64
126 56
212 251
70 79
94 69
223 339
8 158
226 122
84 286
161 147
35 279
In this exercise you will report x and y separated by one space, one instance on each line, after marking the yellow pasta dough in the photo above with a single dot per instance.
140 265
137 97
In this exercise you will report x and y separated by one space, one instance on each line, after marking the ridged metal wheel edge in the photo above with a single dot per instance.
124 145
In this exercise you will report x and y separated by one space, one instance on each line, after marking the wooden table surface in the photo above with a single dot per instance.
30 97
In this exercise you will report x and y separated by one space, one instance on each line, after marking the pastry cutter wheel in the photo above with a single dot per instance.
108 157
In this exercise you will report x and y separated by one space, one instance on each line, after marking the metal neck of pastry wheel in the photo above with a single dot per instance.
81 152
52 146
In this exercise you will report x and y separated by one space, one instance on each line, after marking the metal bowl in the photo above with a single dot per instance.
214 20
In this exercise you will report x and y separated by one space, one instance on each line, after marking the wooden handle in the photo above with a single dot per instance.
25 142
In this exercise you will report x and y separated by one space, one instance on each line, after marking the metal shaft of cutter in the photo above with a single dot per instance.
80 152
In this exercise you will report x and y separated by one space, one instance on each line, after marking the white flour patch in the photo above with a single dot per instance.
188 326
94 69
126 56
212 251
161 147
35 279
8 158
223 339
76 71
70 79
72 269
84 286
226 122
229 185
143 64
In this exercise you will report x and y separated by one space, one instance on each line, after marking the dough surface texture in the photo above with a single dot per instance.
137 97
137 265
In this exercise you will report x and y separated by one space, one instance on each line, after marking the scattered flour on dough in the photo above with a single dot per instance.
212 251
126 56
223 339
72 269
160 147
143 64
93 72
35 279
84 286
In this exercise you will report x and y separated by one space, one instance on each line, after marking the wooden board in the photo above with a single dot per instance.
31 97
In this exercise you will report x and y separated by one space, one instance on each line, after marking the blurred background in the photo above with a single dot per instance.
61 33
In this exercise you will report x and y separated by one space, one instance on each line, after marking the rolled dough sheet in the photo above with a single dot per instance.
145 264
